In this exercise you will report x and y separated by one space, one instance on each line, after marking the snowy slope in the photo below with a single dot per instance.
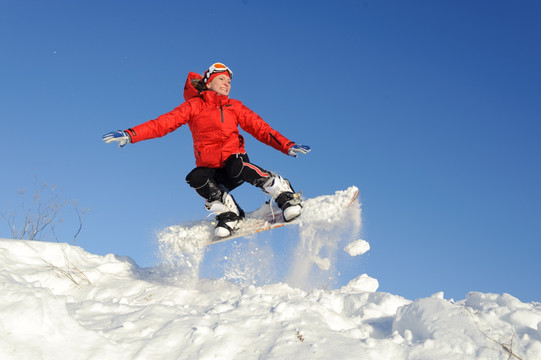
58 301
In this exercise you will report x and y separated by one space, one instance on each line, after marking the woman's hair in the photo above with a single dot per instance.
199 85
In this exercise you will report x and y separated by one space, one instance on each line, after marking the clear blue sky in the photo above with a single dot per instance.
431 108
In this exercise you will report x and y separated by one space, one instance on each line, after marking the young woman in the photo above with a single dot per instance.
220 157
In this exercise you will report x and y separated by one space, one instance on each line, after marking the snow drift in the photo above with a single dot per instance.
58 301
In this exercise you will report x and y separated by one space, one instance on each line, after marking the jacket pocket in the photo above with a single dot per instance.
208 155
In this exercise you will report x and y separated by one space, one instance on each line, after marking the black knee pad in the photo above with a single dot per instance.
200 176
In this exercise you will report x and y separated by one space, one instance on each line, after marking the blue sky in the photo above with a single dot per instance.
431 108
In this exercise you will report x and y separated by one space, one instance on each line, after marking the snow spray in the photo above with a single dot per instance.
326 222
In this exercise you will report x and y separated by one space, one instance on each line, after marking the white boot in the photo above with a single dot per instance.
282 193
227 214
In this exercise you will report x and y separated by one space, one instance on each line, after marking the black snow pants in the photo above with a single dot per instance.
237 169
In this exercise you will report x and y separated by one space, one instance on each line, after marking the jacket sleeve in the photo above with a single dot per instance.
162 125
252 123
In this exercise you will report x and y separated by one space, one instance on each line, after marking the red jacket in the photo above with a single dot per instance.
213 120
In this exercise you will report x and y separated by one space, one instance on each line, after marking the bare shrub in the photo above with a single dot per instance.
39 213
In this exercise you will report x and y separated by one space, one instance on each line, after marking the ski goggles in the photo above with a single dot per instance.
217 68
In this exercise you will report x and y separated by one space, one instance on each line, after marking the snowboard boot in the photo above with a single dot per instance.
284 196
227 213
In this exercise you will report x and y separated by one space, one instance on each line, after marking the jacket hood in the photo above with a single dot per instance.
209 96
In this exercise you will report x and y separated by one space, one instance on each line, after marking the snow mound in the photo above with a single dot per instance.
58 301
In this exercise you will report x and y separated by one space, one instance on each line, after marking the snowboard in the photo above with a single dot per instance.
324 210
269 217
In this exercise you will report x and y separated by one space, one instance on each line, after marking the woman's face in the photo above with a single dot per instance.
221 84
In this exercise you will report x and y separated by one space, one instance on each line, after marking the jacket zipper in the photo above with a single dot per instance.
222 118
222 110
222 142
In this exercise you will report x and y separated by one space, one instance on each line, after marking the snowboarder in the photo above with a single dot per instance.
221 160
